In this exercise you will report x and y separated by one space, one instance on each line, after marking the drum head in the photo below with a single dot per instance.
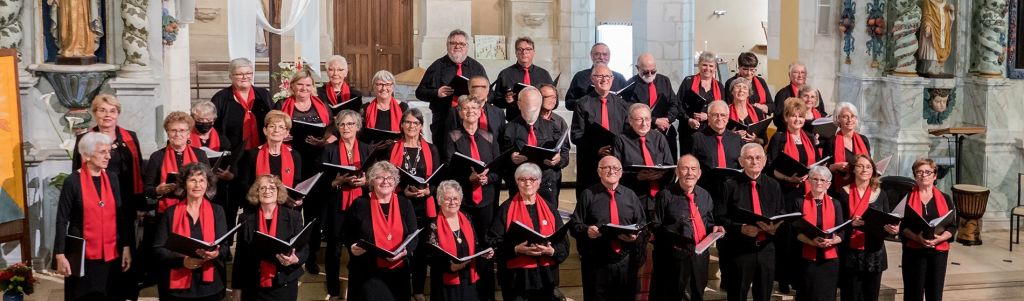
969 188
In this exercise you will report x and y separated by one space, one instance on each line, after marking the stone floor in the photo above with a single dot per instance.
986 272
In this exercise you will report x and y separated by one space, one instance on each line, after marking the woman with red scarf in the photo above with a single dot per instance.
384 219
813 101
242 106
862 254
924 260
846 144
200 275
528 271
204 135
90 207
384 112
451 234
694 114
741 111
820 255
336 91
274 157
348 151
415 156
792 141
162 167
254 276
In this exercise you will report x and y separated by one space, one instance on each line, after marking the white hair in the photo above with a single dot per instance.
844 106
87 145
239 62
527 169
822 172
337 59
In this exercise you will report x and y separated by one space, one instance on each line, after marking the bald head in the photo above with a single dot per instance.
609 169
646 68
645 60
530 101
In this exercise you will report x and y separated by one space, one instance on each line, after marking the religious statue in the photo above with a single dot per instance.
77 29
937 104
936 39
904 37
989 37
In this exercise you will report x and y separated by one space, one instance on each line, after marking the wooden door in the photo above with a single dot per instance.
373 35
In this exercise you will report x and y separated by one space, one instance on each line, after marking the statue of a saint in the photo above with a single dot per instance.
77 27
937 18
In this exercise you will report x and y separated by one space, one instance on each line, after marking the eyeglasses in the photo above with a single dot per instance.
817 180
758 158
247 74
718 115
347 124
692 169
527 180
177 131
924 173
610 169
649 72
276 127
386 179
522 50
641 119
267 188
457 44
411 122
451 199
847 117
383 85
601 77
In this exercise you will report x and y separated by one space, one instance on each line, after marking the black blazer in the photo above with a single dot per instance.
354 105
246 272
230 114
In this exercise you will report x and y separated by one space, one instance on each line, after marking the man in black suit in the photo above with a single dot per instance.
434 87
581 83
522 72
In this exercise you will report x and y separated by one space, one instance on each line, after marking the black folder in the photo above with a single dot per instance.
302 189
928 228
757 128
172 178
720 175
435 178
787 165
745 216
335 107
461 260
212 154
825 127
518 233
518 87
460 85
269 246
875 221
330 168
462 163
375 136
301 130
385 253
600 136
654 168
692 97
74 251
537 154
614 230
811 231
230 159
187 246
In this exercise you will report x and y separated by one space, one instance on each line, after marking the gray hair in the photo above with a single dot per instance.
844 106
383 75
337 59
87 145
191 169
739 80
821 171
458 32
750 146
447 186
415 113
527 169
465 99
796 64
718 103
381 167
239 62
637 106
807 89
204 108
706 56
529 90
348 113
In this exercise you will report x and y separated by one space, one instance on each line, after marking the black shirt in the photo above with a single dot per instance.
70 212
737 195
593 209
581 85
231 114
673 218
666 105
245 274
440 73
627 149
754 96
508 78
172 260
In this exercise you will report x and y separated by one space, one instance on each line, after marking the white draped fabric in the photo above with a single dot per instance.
245 17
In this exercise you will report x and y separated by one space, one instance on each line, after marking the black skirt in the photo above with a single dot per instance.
97 284
288 291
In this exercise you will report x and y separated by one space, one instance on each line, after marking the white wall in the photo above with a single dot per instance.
738 30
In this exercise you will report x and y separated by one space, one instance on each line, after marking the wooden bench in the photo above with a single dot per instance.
201 71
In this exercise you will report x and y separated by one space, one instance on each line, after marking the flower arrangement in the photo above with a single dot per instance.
284 75
17 279
170 26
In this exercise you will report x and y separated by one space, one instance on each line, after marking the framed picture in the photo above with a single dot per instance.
489 47
13 224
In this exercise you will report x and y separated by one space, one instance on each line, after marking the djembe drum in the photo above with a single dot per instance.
970 207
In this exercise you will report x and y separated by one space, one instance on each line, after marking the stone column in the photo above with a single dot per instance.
894 122
135 38
989 40
439 18
989 102
664 28
10 25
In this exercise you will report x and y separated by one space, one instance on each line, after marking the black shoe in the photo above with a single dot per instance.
312 268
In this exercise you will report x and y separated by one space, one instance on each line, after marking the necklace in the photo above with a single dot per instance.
410 164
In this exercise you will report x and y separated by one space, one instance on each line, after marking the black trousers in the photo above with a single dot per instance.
543 294
819 280
383 285
287 291
749 269
310 210
924 274
671 274
858 285
99 283
481 218
418 262
613 280
333 219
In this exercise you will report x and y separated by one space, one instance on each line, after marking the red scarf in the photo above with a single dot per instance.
914 202
170 165
395 111
267 268
795 89
388 231
287 164
750 112
858 204
136 159
99 212
397 155
828 220
349 194
181 278
446 240
194 140
839 153
346 93
517 212
288 107
762 98
714 87
790 148
250 133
